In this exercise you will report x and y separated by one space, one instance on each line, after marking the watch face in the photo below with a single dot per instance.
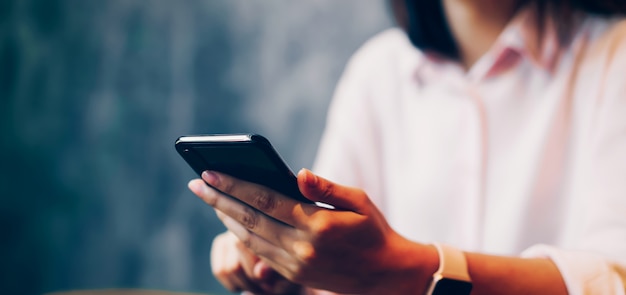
446 286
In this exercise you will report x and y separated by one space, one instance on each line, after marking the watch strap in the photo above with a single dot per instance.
452 263
452 277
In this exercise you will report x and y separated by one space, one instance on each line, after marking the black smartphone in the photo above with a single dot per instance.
249 157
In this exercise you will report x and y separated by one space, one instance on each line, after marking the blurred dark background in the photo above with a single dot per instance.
93 95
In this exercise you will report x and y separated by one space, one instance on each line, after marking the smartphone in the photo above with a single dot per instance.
249 157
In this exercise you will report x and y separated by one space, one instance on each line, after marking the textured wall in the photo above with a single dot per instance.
92 96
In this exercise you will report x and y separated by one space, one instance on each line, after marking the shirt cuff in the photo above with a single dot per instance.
584 273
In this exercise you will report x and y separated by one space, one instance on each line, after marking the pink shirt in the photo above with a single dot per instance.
524 154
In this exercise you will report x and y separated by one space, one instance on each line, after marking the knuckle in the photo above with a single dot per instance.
328 191
227 187
210 199
249 218
246 240
305 252
208 195
264 201
322 228
247 243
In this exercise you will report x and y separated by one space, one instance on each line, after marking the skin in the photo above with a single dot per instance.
275 245
476 24
352 250
238 268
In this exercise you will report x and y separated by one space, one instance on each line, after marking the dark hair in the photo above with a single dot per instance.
427 28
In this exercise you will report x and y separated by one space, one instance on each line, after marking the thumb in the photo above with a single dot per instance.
319 189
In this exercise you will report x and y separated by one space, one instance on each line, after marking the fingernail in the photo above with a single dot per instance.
257 271
211 178
310 178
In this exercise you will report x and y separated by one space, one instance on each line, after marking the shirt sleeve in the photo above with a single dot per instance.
598 263
583 272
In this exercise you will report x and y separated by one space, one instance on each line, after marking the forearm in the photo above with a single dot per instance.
511 275
496 275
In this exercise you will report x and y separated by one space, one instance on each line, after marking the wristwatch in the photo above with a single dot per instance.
452 277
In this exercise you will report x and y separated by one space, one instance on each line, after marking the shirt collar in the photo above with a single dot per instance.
520 39
523 35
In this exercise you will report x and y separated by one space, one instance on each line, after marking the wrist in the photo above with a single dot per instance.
428 267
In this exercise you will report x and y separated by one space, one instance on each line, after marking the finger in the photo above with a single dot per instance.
248 260
255 243
262 198
224 205
284 270
226 267
270 229
259 272
273 282
318 189
265 277
262 271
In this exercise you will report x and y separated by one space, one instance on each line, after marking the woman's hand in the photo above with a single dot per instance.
238 269
347 250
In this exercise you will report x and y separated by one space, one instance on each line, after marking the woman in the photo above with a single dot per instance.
503 135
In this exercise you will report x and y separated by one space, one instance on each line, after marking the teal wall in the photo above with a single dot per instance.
92 97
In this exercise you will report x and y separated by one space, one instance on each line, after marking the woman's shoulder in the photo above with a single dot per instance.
604 34
602 57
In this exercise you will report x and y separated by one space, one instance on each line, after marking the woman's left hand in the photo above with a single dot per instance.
347 250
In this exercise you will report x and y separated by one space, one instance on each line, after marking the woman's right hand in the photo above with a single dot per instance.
238 269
